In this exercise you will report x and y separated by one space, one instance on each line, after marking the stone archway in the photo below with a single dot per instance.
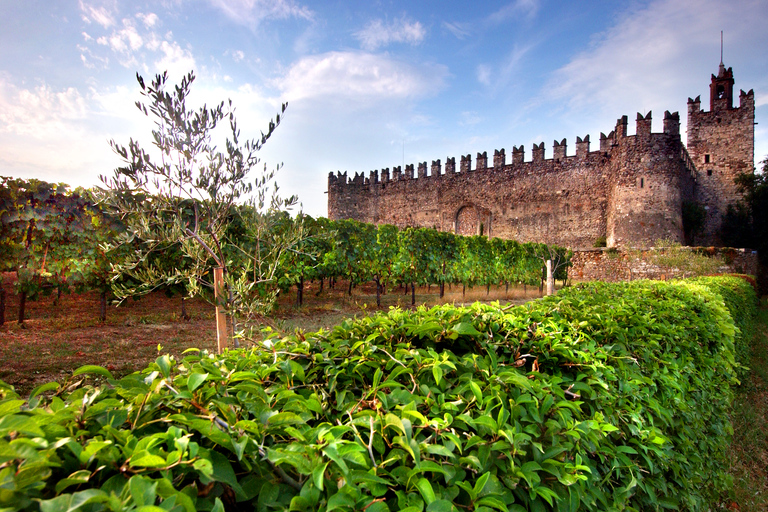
468 221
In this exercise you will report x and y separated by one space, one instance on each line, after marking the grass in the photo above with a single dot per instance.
750 426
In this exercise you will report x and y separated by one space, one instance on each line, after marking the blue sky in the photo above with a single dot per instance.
369 84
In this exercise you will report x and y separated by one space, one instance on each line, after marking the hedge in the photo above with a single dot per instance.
603 397
739 293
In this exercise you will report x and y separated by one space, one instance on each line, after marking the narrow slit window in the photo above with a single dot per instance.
642 182
706 159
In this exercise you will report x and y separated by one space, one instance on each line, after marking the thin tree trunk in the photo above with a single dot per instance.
300 292
22 306
442 289
413 294
487 289
463 290
222 338
103 306
378 292
184 314
506 288
550 278
319 291
350 287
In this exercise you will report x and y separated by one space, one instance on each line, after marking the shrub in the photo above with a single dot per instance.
740 298
602 397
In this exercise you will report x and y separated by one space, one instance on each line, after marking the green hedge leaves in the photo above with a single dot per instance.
603 397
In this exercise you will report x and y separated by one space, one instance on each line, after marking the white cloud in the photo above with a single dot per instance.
354 75
500 77
39 112
484 74
238 55
511 11
51 134
176 60
136 45
126 42
459 30
377 34
638 60
252 12
152 42
102 14
90 60
149 19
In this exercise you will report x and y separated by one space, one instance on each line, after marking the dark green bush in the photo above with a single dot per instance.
603 397
740 298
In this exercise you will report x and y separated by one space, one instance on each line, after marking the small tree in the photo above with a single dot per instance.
189 194
745 224
554 264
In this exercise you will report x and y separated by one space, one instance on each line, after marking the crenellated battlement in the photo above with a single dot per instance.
538 163
629 190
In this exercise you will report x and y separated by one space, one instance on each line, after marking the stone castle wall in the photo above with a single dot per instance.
630 191
721 143
613 266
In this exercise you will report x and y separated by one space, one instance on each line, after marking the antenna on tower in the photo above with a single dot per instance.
721 47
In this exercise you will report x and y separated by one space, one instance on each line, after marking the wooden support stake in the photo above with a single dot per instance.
221 317
550 279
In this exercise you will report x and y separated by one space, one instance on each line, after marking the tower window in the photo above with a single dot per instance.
706 159
709 172
642 182
720 92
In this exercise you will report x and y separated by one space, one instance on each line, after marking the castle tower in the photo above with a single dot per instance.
649 184
721 144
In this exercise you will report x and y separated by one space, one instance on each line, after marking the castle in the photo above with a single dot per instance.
630 192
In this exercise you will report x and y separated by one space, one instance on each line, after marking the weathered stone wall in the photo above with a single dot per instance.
651 179
630 191
614 265
564 200
721 143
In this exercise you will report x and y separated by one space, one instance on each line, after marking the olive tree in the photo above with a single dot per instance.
187 191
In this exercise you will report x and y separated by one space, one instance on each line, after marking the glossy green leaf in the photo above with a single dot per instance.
93 369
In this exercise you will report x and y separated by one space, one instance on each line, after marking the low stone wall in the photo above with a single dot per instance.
602 264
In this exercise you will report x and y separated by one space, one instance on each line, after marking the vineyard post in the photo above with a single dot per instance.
550 278
22 306
221 318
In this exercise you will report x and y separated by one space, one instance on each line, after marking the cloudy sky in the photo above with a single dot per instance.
369 84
